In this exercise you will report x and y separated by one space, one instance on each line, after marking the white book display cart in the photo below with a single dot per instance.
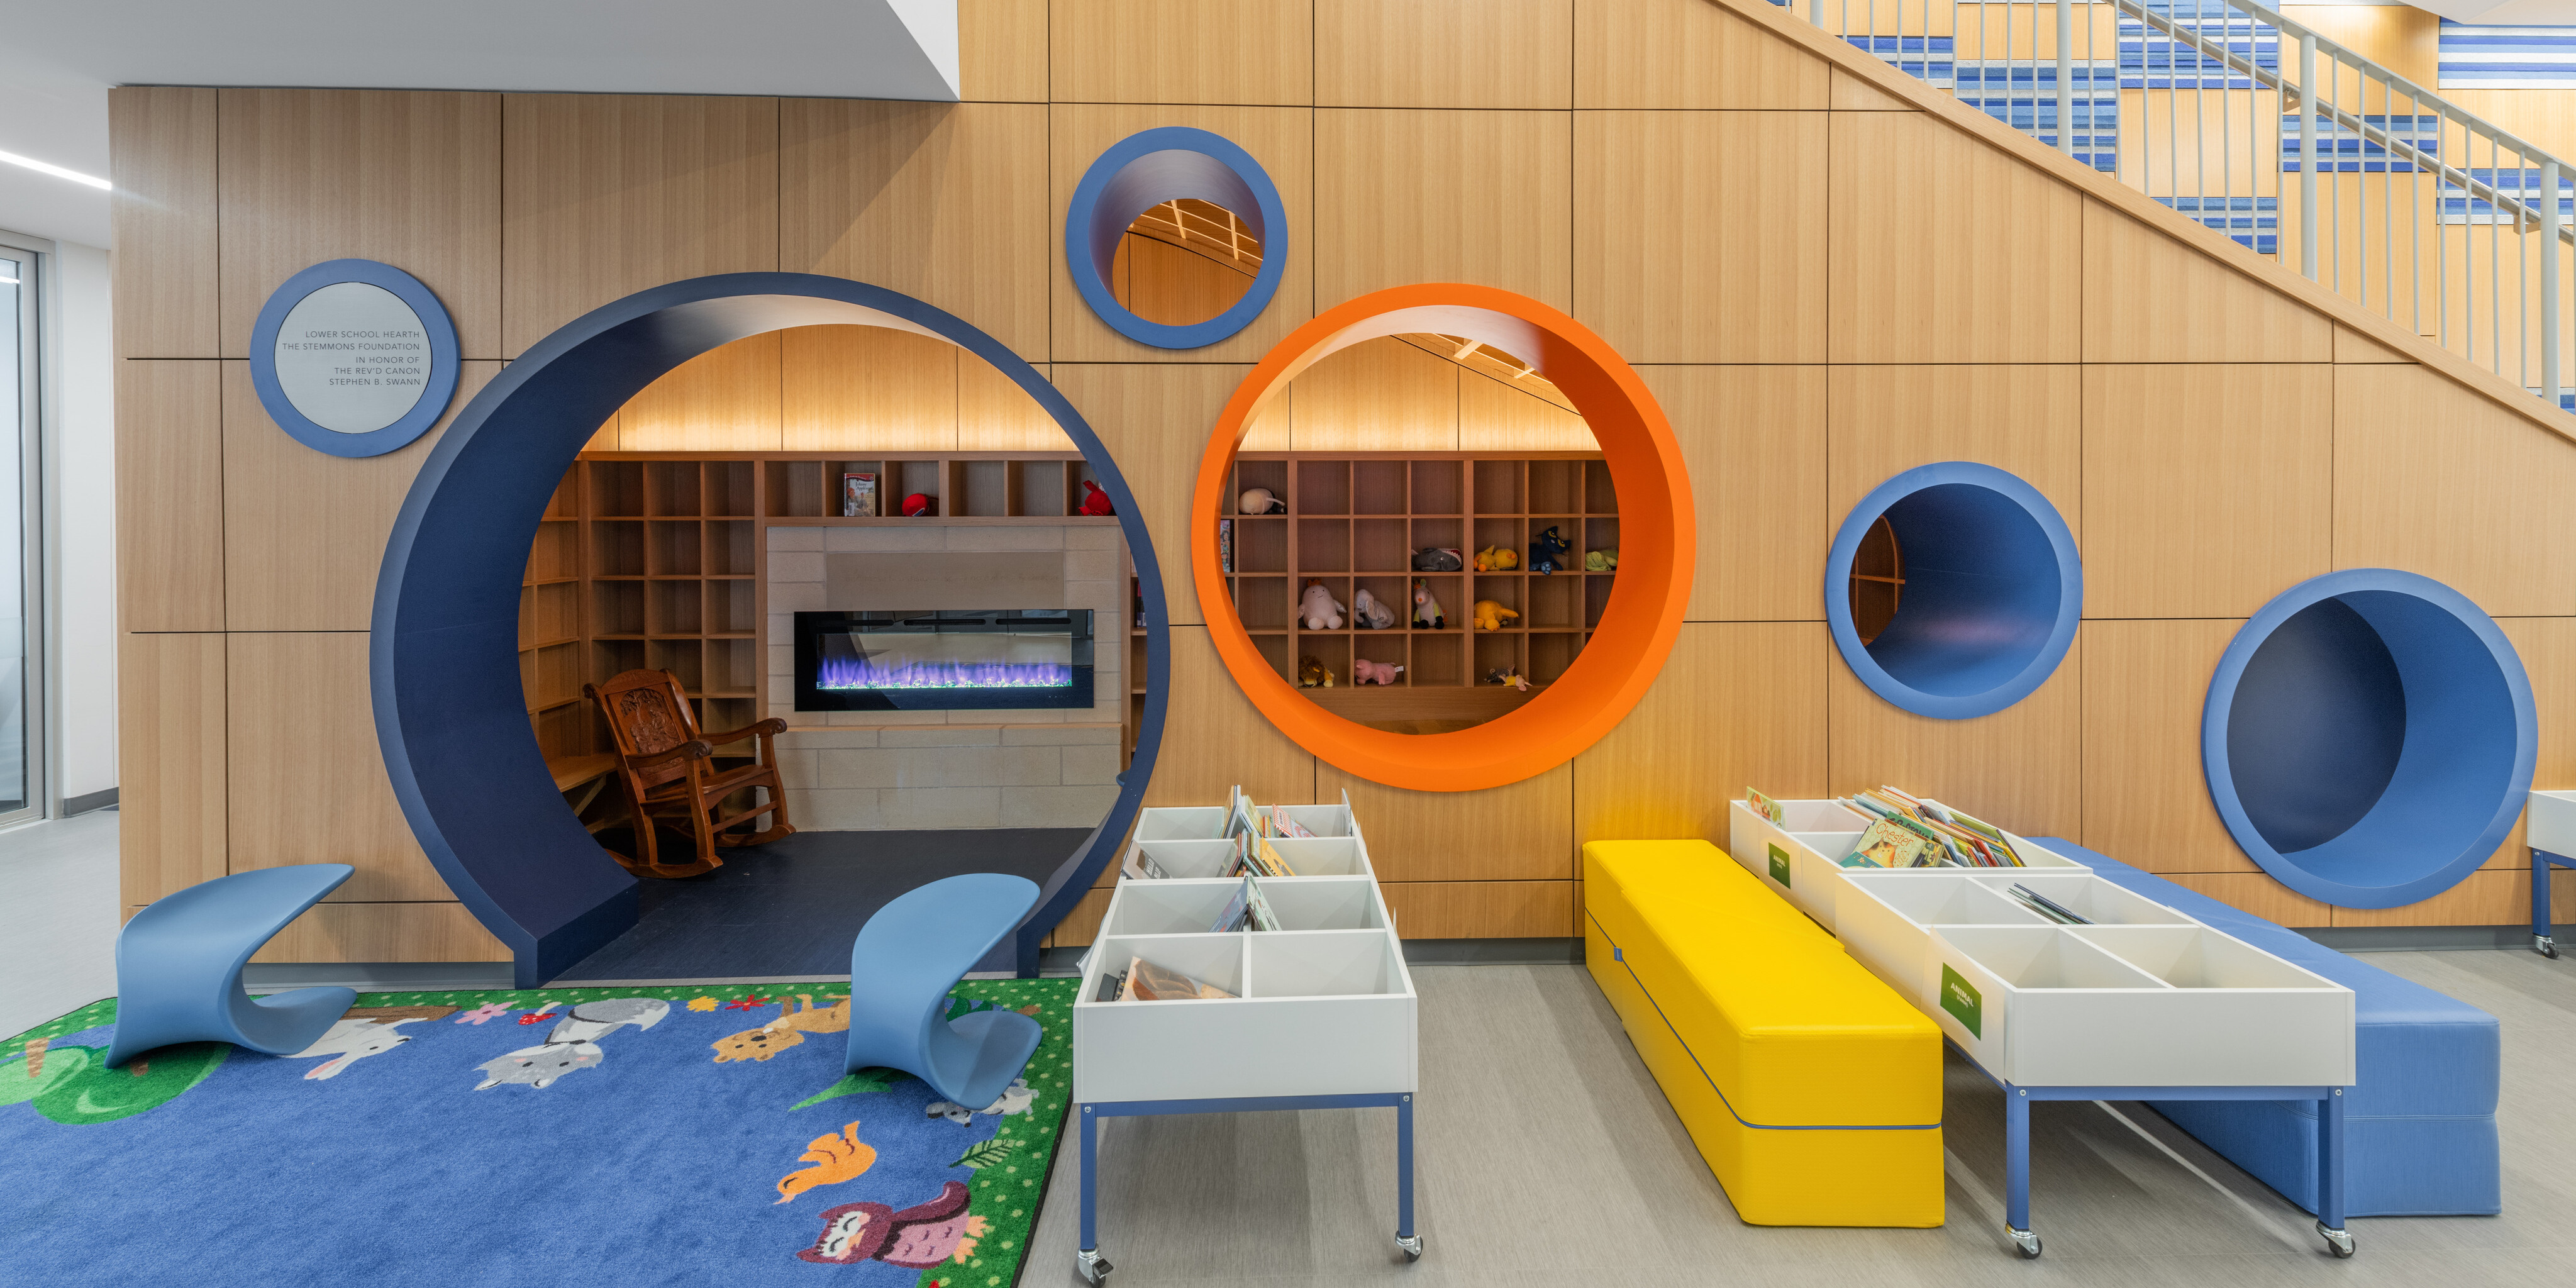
2141 1002
2551 834
1323 1014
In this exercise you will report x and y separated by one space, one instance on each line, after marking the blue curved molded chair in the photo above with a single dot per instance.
904 962
179 966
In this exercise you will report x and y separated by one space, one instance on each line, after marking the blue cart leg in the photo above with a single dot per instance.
2541 925
1405 1238
2017 1170
2330 1174
1086 1259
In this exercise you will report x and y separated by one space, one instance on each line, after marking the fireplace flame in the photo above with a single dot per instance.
859 673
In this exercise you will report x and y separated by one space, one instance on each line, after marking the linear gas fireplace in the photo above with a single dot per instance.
970 659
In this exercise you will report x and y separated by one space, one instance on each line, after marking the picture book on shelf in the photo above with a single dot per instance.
1887 844
1142 867
1112 983
1256 908
1231 919
1282 825
1766 807
858 496
1147 982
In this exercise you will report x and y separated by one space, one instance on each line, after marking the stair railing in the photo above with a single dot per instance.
2162 112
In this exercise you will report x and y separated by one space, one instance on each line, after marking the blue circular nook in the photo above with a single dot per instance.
2369 738
437 390
1993 590
443 644
1145 170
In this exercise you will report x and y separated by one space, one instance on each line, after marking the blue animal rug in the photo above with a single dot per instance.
622 1136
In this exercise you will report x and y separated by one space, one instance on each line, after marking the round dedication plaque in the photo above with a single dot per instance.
354 357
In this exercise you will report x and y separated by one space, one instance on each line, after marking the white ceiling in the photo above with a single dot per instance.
2506 13
60 57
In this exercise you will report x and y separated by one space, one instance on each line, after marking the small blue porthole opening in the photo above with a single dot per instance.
1151 169
1990 593
2369 738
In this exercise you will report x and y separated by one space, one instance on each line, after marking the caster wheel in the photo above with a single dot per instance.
2025 1241
2546 947
1093 1268
2337 1241
1412 1247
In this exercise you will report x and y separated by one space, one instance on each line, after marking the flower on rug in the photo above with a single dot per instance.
487 1011
702 1003
924 1236
747 1003
835 1158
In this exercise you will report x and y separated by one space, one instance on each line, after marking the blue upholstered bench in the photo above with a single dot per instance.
2420 1125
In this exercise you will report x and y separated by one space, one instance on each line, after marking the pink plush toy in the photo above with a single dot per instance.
1364 671
1318 608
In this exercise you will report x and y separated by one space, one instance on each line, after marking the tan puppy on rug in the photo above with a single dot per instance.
787 1030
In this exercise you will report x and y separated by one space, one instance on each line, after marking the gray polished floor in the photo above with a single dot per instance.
1547 1156
58 918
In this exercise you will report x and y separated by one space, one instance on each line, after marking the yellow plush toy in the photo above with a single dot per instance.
1497 559
1490 616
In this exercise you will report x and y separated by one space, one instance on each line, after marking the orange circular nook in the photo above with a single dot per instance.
1656 558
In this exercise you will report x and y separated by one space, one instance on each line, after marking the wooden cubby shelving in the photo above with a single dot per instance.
1354 521
653 559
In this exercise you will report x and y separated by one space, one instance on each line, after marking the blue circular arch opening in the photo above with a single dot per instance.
1993 591
1145 170
443 648
434 395
2369 738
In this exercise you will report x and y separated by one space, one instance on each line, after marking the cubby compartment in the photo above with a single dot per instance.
1396 592
1599 495
1270 475
733 667
2090 897
835 482
1208 958
1378 487
672 548
984 489
549 614
1555 487
1441 534
1274 650
1323 547
1322 856
617 489
1386 648
733 607
1325 903
1323 487
2190 956
729 487
1337 587
674 608
1498 487
553 673
1191 823
797 490
914 477
1038 487
1192 856
1263 603
1551 654
1439 487
1327 963
729 548
1333 651
1451 590
685 659
611 658
1497 651
2041 957
616 608
555 555
1171 907
1439 660
616 549
671 489
1261 545
1555 603
1506 591
1378 545
1598 534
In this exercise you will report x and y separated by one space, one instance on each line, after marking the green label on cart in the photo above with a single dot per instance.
1780 865
1962 1000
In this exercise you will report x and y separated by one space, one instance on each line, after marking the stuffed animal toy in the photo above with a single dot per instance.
1364 671
1490 615
1311 673
1319 610
1601 560
1547 552
1426 610
1438 559
919 504
1096 502
1507 675
1259 501
1370 613
1497 559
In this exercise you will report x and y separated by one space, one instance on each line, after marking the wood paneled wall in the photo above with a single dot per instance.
1824 278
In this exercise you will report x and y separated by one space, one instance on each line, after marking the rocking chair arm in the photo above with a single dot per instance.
695 749
769 728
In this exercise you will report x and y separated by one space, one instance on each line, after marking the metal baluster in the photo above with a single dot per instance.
2495 254
2308 155
2549 281
2065 76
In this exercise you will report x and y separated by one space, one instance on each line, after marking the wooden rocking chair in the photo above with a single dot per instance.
669 772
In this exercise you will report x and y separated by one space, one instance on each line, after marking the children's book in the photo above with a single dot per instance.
1887 844
1144 868
1282 825
1232 918
1147 982
1766 807
1257 907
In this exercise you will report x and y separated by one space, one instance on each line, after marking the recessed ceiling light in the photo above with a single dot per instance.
58 172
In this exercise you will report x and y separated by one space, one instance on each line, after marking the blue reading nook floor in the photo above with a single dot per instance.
791 907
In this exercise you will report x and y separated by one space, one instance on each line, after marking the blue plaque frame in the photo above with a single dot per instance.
443 357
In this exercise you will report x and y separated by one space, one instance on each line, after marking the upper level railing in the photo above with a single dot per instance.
2375 187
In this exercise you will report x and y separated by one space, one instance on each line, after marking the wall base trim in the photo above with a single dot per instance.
87 801
377 977
2420 939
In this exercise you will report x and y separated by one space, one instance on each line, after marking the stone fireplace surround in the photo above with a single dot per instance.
870 770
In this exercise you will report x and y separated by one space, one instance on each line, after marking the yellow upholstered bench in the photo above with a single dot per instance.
1811 1088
